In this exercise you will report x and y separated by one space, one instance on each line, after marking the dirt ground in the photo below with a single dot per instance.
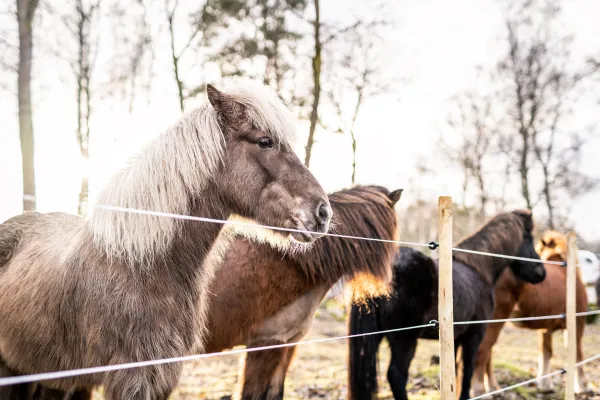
319 371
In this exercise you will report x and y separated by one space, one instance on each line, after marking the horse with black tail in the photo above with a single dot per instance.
415 295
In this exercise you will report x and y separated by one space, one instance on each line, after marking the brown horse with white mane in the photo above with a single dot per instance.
263 297
545 298
122 287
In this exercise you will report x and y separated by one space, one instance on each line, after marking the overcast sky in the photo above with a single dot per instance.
436 43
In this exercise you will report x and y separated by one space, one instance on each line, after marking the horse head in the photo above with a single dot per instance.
528 271
260 176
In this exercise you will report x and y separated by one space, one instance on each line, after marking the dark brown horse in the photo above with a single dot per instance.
124 287
261 297
546 298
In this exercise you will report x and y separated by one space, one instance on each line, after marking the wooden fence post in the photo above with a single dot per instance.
445 300
571 317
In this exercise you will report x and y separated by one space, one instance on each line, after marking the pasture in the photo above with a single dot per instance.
319 370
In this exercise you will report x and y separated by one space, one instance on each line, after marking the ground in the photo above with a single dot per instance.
319 371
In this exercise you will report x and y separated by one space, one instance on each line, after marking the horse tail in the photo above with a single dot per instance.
362 369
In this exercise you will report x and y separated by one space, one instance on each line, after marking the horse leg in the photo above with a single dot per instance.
279 376
483 362
492 382
544 356
458 365
148 383
403 347
580 381
470 344
260 379
14 392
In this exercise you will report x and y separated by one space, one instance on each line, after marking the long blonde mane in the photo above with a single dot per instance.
171 171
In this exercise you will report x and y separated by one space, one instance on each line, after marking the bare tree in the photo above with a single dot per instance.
80 23
358 76
478 132
25 13
133 60
542 91
316 77
85 15
170 11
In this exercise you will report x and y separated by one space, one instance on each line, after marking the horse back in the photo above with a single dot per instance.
11 232
473 299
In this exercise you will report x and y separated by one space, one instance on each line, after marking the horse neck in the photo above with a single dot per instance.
194 251
489 267
198 246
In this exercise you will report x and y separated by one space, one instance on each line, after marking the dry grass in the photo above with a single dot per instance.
319 371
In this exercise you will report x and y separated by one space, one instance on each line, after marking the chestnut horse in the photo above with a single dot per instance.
546 298
122 287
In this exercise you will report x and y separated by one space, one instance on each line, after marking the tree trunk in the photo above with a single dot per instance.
483 197
84 108
175 60
316 64
359 100
524 170
548 198
353 157
25 12
83 196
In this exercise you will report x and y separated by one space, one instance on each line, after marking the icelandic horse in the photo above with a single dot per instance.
121 287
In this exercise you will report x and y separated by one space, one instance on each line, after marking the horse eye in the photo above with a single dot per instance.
265 142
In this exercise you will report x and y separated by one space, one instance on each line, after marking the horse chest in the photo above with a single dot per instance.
292 321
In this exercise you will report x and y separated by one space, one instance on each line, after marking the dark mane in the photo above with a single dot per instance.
365 211
502 235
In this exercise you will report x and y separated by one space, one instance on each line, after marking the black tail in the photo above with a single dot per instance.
362 366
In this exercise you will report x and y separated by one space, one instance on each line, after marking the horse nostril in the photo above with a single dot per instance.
323 213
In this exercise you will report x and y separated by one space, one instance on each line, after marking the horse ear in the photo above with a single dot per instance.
216 98
395 196
226 106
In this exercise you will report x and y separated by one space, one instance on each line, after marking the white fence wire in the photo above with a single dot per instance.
14 380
